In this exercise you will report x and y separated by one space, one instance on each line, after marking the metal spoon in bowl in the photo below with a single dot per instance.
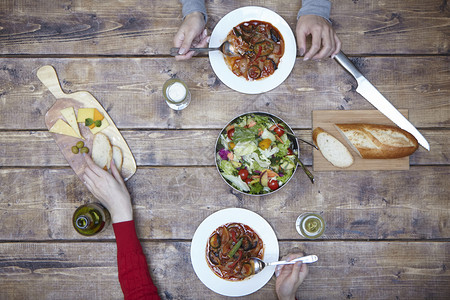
226 48
258 265
293 135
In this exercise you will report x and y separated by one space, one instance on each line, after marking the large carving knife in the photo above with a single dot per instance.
370 92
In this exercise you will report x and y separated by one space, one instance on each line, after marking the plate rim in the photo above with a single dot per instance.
198 258
240 84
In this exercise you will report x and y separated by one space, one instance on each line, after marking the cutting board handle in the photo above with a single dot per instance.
47 75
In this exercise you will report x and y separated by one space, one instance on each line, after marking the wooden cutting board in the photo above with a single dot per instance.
49 78
326 120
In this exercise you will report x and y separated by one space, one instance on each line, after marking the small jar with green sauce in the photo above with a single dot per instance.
310 225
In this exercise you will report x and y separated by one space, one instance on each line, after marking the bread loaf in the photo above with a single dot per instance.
102 151
118 158
332 149
378 141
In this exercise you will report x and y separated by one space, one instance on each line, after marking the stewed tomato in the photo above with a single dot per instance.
273 184
243 173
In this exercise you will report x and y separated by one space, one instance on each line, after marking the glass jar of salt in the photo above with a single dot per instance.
176 94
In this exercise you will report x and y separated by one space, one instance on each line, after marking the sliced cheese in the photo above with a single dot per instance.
84 113
98 115
69 114
98 129
91 113
62 127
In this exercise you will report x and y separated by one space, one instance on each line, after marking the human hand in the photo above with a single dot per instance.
289 277
192 33
325 41
109 189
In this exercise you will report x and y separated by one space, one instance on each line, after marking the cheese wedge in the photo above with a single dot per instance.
98 129
62 127
69 114
84 113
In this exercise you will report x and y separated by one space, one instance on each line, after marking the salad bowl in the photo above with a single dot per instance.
255 156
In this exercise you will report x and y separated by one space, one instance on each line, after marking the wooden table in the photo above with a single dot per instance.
388 232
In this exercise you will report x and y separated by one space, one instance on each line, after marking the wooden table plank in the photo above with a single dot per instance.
170 203
147 28
403 270
131 92
174 148
388 234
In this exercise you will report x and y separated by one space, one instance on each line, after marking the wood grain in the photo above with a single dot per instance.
406 270
138 27
170 202
134 99
174 148
388 234
326 119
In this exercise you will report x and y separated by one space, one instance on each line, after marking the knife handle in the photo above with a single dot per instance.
343 60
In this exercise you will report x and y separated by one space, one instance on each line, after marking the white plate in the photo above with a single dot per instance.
198 252
219 35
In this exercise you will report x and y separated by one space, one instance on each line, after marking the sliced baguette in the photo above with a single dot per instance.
118 157
102 151
378 141
332 149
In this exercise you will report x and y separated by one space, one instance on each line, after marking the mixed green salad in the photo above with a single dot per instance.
256 156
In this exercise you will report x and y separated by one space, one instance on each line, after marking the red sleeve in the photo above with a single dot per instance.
134 276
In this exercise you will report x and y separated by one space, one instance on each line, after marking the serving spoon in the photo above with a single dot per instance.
293 135
297 160
258 265
226 48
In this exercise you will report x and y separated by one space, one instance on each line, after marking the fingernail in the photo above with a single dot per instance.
204 33
208 39
305 58
302 51
182 51
332 56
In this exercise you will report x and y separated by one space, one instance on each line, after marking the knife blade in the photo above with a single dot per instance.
371 94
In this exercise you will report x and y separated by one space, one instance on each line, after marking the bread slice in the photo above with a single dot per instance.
332 149
117 157
378 141
102 151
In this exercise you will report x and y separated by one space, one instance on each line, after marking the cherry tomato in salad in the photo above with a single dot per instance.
248 180
290 152
273 185
278 130
243 173
230 133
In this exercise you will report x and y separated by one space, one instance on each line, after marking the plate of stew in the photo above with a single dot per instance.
266 46
222 245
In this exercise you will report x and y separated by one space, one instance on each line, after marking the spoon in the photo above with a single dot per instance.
305 169
297 160
226 48
293 135
259 265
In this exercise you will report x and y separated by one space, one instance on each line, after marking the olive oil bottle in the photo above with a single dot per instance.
90 219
